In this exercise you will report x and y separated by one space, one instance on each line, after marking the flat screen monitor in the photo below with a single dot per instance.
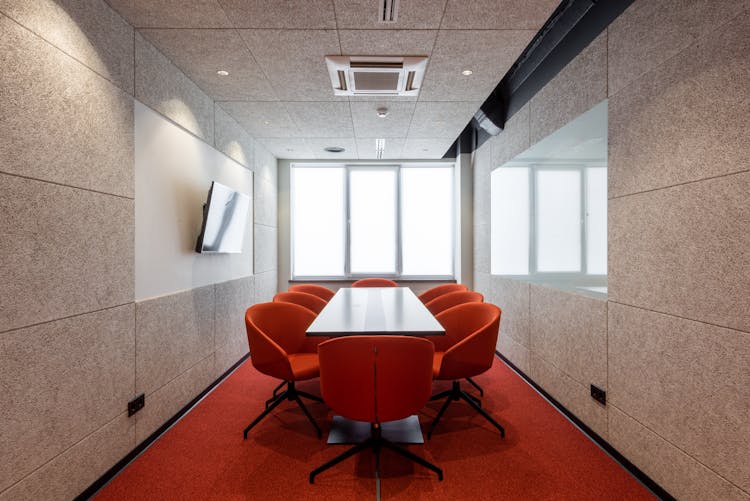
224 220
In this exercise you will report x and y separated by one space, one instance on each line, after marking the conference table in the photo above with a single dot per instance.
373 311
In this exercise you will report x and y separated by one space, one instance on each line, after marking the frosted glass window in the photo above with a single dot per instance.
372 221
318 227
427 221
596 221
509 229
558 220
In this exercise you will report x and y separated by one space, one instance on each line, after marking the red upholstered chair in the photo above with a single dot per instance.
439 290
278 348
468 349
451 299
376 379
374 282
323 293
309 301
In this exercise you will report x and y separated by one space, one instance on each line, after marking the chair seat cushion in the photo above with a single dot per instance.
304 365
437 361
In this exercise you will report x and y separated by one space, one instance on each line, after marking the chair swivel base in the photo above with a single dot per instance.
376 442
456 393
291 393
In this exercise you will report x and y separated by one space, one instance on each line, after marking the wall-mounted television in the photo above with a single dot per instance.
224 220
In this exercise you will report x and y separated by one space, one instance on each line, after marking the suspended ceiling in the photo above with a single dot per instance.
278 87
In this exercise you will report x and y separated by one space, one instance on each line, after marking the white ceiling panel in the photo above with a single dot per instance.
441 119
280 14
395 124
294 148
387 42
172 13
262 119
323 119
317 146
488 54
426 148
393 148
294 61
363 14
498 14
201 53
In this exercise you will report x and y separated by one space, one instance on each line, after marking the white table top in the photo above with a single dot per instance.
375 311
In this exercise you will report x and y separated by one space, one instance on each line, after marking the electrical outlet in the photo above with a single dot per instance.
599 395
136 404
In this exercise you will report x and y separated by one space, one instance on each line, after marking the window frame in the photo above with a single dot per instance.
533 168
348 168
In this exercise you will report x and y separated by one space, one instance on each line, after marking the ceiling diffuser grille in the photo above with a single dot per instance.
387 11
376 75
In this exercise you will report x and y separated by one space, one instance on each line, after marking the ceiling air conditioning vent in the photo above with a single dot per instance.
376 76
387 11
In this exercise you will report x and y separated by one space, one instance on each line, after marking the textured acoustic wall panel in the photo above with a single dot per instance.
66 251
60 121
61 382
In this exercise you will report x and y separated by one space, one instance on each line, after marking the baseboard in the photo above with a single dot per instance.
92 489
647 481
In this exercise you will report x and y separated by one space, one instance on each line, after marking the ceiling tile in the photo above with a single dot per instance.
326 119
420 14
262 119
294 61
498 14
200 53
426 148
489 54
172 13
441 119
316 145
395 124
280 14
387 42
393 148
285 147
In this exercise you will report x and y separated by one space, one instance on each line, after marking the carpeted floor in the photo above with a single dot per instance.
204 456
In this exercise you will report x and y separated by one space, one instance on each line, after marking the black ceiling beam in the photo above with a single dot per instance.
569 30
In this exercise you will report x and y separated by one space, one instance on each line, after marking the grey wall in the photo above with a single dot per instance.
75 345
672 343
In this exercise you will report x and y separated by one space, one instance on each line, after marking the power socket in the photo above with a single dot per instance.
136 404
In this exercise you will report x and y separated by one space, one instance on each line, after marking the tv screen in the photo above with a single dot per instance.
224 220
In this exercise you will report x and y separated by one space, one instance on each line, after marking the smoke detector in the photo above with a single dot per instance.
376 76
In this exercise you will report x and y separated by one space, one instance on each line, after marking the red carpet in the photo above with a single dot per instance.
204 456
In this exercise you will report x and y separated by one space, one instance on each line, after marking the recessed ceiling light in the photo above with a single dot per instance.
382 112
466 73
334 149
222 73
266 122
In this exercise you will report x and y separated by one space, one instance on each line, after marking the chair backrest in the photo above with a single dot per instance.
323 293
376 378
442 303
274 331
374 282
439 290
309 301
471 329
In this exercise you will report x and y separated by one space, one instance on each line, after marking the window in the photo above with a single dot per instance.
353 221
549 220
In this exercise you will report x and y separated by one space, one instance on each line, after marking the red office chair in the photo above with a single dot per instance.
374 282
309 301
451 299
439 290
376 379
276 335
323 293
471 331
